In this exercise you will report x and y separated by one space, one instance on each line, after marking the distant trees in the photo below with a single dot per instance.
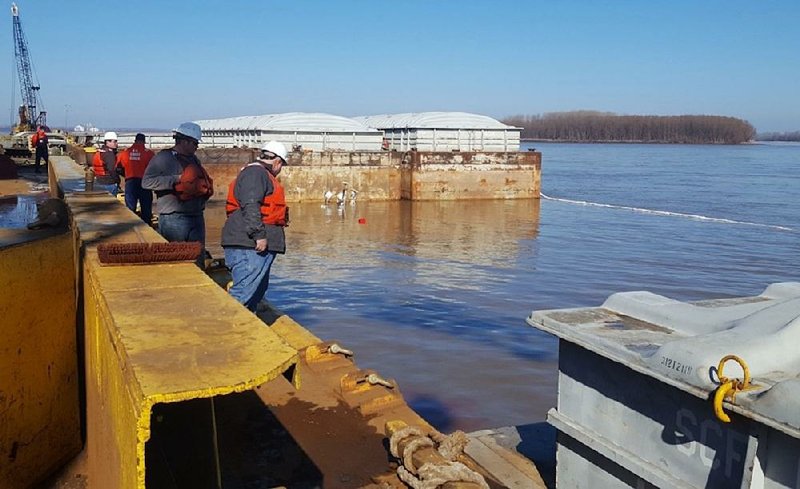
779 136
590 126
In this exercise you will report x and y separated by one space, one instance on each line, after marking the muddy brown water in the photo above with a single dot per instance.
425 293
435 294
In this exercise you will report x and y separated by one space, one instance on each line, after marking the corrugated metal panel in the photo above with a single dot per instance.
318 141
501 140
291 121
445 131
431 120
315 131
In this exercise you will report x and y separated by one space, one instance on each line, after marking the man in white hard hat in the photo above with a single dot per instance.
254 231
104 164
182 187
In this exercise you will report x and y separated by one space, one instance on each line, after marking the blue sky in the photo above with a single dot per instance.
154 64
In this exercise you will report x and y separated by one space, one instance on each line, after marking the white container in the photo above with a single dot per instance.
636 383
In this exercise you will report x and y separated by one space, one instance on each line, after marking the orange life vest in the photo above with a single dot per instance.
134 160
39 137
98 165
273 207
194 182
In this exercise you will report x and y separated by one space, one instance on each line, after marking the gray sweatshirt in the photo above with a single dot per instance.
244 226
161 175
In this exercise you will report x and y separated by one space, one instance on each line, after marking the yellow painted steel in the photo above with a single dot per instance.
292 333
39 406
722 391
745 383
160 333
728 388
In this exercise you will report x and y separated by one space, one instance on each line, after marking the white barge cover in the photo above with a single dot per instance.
315 131
681 344
444 131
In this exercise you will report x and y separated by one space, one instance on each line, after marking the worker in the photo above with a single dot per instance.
182 187
132 163
104 164
39 141
253 233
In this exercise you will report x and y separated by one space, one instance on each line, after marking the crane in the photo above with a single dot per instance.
28 118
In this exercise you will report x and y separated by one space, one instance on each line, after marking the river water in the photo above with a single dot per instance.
435 294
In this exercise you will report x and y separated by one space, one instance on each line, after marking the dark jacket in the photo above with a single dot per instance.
244 226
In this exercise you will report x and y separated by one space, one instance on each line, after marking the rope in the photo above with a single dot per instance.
413 446
399 436
450 447
433 476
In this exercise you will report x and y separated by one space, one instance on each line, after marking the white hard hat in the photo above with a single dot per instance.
277 149
189 129
110 136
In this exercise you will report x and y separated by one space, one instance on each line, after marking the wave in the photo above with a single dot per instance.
641 210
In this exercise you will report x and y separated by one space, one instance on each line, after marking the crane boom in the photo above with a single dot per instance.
29 119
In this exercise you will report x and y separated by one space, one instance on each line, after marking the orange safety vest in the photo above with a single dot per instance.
97 162
134 160
39 137
194 182
273 207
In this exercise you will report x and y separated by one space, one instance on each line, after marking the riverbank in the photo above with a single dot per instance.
632 141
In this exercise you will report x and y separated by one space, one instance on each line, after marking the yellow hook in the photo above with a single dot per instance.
745 369
729 388
722 391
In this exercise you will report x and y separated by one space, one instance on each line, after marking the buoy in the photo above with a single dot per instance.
362 220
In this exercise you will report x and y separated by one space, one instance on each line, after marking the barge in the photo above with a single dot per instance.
654 392
176 385
153 376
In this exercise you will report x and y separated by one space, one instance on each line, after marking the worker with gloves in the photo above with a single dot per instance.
253 233
104 164
182 187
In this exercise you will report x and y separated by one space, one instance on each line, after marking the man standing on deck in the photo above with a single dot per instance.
104 164
182 187
39 140
253 233
132 163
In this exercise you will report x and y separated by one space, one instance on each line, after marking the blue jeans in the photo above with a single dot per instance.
250 272
133 193
111 188
184 227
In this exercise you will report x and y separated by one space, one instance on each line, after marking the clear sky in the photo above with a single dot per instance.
156 63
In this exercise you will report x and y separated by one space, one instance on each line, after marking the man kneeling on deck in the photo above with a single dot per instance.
253 233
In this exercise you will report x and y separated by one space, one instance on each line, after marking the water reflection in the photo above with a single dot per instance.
441 236
426 293
16 211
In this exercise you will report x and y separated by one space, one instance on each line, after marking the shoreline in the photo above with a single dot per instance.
559 141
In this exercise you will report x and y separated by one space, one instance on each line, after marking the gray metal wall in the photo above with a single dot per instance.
317 141
423 139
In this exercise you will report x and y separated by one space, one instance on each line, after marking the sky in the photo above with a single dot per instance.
154 64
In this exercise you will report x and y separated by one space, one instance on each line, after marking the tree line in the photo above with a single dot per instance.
780 136
590 126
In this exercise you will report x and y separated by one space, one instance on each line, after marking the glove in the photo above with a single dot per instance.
120 170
